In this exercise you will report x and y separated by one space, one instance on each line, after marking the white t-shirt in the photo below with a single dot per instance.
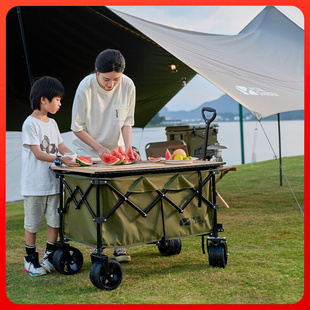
102 113
36 177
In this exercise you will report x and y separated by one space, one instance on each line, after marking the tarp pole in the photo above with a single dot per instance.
241 133
24 43
280 156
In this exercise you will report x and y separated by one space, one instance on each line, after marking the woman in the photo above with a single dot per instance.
103 112
103 108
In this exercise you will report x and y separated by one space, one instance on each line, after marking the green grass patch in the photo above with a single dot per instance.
264 228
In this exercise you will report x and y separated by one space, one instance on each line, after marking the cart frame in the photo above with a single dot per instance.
107 274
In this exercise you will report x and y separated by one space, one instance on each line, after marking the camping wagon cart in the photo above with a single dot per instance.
142 203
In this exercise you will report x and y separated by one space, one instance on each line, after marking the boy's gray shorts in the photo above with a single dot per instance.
37 207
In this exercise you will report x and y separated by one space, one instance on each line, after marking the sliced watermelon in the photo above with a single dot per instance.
121 151
121 157
84 160
130 154
154 159
168 155
110 159
127 159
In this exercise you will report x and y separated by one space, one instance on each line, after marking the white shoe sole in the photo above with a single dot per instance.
47 267
35 274
122 258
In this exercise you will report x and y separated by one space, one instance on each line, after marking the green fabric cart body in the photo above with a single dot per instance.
121 224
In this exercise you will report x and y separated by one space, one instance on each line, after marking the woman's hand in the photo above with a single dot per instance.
86 138
137 156
102 150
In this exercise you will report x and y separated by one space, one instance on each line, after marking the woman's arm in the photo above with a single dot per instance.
127 136
89 140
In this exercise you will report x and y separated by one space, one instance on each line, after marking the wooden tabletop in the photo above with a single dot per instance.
142 166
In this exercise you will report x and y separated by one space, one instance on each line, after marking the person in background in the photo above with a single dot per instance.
42 144
103 113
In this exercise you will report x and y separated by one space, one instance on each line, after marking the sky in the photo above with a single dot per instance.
228 20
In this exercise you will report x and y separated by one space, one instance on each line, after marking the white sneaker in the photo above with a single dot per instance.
32 265
121 255
46 263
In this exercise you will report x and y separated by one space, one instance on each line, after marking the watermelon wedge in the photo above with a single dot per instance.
121 151
110 160
121 157
127 159
154 159
130 154
168 155
84 160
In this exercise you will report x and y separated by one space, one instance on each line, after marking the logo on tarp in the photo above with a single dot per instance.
255 91
192 220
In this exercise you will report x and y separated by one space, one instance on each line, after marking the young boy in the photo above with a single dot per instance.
42 143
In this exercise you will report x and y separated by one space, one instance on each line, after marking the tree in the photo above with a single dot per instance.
156 120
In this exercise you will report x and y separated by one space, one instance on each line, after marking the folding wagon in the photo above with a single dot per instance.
143 203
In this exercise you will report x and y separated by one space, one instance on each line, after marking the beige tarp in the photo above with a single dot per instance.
262 67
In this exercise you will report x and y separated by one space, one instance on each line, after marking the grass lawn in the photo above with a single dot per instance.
264 228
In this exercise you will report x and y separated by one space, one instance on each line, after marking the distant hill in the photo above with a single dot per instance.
226 108
223 105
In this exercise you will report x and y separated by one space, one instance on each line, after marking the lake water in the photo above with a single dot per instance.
256 144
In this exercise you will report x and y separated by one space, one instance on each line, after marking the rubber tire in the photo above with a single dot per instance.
217 255
101 279
174 247
67 260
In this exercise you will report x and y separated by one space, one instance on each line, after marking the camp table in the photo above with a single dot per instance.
142 203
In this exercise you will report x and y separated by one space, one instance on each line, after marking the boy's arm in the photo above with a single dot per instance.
40 155
63 149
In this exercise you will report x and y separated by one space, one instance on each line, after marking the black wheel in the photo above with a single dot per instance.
68 260
170 247
104 279
217 254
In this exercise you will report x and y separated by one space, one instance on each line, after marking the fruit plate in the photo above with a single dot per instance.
178 162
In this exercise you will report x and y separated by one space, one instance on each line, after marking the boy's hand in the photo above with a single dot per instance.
69 162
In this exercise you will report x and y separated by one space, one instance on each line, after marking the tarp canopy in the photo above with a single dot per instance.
262 67
63 42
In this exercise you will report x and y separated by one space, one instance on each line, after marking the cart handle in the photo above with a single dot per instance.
208 122
211 119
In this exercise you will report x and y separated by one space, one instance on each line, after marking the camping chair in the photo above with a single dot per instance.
158 149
